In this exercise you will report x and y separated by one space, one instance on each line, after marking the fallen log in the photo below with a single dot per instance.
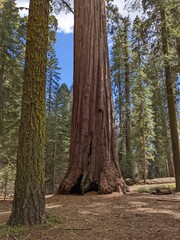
164 191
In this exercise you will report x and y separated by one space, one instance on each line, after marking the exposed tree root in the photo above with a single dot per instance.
107 184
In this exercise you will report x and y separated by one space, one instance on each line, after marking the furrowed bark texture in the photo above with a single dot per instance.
29 197
92 152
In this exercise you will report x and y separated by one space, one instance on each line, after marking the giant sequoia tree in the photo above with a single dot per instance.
29 200
93 163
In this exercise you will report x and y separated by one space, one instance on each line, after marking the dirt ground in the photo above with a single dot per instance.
134 216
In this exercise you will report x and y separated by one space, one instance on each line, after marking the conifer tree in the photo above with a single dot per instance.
143 124
11 58
160 11
93 162
126 23
162 165
120 72
118 84
29 197
159 18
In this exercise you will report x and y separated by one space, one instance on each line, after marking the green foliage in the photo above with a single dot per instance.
11 58
58 109
12 32
7 177
58 137
121 82
14 231
149 112
51 220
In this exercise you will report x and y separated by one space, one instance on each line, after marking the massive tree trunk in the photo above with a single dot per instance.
93 160
29 197
171 102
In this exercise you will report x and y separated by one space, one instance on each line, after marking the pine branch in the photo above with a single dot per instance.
68 6
23 8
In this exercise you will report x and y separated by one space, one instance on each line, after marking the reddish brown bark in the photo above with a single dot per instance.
93 162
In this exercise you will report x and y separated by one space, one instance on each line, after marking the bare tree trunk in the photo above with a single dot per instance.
29 197
1 98
54 153
178 51
170 164
171 102
121 117
93 158
127 90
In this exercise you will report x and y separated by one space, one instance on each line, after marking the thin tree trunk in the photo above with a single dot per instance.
168 149
54 153
121 117
29 197
93 158
143 148
178 51
54 163
127 91
171 102
49 105
1 98
143 152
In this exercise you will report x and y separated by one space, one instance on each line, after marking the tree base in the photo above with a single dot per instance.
28 210
106 185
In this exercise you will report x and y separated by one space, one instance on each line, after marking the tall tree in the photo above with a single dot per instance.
29 199
120 74
93 162
143 125
162 165
118 84
58 138
127 92
171 99
161 16
11 58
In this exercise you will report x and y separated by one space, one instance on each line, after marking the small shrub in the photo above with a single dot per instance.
51 220
11 231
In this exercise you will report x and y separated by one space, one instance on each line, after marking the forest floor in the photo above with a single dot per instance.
134 216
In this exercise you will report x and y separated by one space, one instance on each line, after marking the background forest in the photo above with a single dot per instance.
138 75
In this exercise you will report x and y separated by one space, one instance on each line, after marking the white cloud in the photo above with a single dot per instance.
121 4
124 12
25 4
66 21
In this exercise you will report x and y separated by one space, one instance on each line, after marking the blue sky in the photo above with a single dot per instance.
64 44
64 51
